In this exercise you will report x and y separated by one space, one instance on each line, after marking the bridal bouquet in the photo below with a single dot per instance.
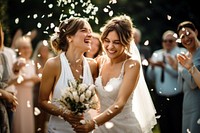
78 97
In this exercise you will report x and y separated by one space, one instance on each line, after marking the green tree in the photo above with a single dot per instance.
4 20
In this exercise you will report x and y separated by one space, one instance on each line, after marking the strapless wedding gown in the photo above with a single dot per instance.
125 121
56 124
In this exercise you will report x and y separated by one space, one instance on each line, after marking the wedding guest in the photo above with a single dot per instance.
120 76
145 51
40 55
96 46
23 118
7 100
11 59
72 39
168 97
191 110
186 61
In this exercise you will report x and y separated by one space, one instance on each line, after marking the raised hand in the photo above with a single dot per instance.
185 60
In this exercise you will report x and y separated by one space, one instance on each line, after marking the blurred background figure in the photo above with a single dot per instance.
24 116
95 51
5 99
41 54
145 51
163 72
11 59
96 46
191 102
8 101
186 61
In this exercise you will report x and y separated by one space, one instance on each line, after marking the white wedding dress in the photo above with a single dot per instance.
125 121
56 124
138 115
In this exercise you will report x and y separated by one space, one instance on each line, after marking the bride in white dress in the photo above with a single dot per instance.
73 40
126 105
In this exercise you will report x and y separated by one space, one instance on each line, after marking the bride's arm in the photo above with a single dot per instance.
50 75
128 85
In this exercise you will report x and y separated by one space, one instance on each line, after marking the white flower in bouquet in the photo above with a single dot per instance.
75 96
78 97
82 97
82 87
88 94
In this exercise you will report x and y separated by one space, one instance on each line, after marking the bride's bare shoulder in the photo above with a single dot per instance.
130 63
53 62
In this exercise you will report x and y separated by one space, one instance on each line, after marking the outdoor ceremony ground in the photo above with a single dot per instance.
156 129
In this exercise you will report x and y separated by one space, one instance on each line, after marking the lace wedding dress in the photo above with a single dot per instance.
125 121
138 115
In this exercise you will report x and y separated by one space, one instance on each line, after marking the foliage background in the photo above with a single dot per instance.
149 16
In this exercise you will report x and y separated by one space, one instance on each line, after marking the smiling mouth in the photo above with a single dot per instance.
87 41
188 42
111 52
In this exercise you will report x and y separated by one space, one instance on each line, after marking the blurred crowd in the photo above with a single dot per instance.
24 71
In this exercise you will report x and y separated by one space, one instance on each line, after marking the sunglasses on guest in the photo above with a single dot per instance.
168 40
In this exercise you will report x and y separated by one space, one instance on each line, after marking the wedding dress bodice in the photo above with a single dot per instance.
125 121
109 92
56 124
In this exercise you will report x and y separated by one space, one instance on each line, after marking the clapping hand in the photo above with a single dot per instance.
185 60
172 61
157 63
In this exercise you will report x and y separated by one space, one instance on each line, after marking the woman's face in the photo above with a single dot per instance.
112 45
188 37
82 39
44 51
25 49
95 46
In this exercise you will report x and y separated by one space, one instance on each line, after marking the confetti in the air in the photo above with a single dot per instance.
188 131
145 62
198 121
17 20
169 17
28 104
36 111
67 9
109 125
113 1
146 42
22 1
39 25
108 88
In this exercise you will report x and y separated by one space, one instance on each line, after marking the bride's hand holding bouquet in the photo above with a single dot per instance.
77 99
